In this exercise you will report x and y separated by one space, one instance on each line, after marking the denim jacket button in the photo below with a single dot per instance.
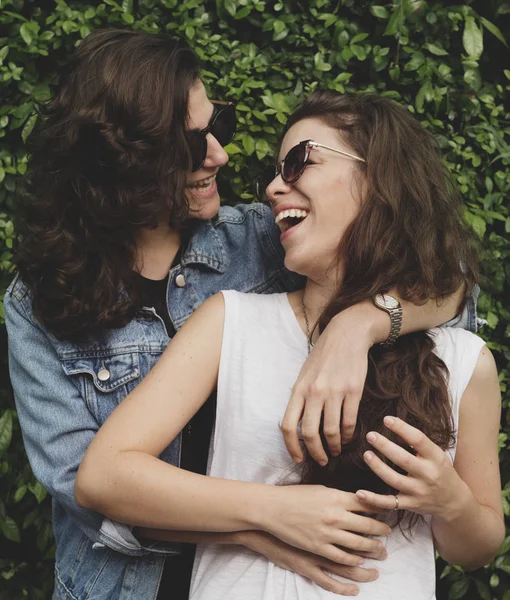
103 375
180 280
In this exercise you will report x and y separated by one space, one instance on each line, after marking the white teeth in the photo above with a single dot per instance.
292 212
204 183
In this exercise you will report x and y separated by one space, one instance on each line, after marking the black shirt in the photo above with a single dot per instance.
194 449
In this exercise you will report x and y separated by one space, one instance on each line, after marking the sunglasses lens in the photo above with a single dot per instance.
294 163
262 181
224 126
198 149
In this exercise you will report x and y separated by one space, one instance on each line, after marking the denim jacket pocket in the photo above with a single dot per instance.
104 379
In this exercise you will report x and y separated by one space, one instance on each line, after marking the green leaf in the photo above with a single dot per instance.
459 589
38 491
472 39
28 127
494 30
10 529
3 53
5 430
379 11
395 22
479 225
248 144
26 33
128 18
435 49
2 174
483 590
243 13
127 6
20 493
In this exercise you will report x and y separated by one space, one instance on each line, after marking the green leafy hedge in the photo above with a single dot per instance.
446 63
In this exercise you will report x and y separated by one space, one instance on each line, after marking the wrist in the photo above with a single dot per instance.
371 323
460 506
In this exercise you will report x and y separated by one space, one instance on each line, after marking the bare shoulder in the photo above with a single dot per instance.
482 397
211 312
485 369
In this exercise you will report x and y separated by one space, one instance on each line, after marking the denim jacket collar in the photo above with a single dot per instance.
205 247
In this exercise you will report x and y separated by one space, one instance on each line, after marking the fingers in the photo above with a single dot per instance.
414 437
331 426
350 415
381 554
337 555
354 573
310 424
366 526
358 543
386 473
289 425
327 582
383 501
398 455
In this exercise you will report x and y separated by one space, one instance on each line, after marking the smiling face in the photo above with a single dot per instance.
328 192
202 192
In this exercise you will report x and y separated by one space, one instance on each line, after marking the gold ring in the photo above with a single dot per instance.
396 502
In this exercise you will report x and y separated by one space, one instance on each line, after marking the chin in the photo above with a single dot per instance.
206 210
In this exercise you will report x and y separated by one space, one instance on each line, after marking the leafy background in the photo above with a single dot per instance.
448 63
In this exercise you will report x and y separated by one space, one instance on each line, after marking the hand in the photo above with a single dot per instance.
315 568
322 521
331 382
431 487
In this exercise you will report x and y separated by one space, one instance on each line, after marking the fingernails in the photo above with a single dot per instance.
361 561
368 456
361 495
322 463
389 421
371 437
297 459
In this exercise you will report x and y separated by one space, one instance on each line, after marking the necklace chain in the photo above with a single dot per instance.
307 324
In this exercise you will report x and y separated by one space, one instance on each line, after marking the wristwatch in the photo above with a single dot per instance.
392 306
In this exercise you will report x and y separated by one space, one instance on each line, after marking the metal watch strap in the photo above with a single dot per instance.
396 325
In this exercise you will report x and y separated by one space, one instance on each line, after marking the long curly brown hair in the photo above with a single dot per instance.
109 157
408 236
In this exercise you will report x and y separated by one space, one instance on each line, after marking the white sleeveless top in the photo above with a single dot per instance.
262 353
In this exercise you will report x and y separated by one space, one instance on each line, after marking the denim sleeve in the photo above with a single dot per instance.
468 319
56 424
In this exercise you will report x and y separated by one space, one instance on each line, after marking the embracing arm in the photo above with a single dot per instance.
122 477
56 425
332 379
471 528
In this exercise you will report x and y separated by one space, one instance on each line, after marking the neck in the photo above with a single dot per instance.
314 298
156 250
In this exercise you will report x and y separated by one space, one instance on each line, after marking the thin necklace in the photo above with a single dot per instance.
307 324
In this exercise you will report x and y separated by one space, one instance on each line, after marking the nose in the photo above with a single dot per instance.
216 154
277 190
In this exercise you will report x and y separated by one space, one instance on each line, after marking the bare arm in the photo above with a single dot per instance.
332 379
478 499
122 478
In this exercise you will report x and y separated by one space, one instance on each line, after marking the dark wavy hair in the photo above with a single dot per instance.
409 235
108 157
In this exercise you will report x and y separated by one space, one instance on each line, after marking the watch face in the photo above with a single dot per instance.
387 301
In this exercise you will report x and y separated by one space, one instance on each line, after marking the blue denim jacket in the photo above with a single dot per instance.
64 392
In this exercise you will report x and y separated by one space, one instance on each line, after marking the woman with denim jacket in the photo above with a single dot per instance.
123 238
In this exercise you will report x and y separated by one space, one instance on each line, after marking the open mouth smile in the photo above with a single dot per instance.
289 218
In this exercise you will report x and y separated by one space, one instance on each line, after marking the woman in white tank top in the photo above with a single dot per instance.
363 204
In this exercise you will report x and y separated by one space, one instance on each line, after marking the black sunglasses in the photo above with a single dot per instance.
222 126
293 165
